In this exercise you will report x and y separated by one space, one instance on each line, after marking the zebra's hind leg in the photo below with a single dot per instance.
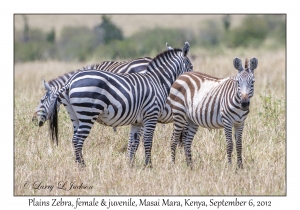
176 135
183 135
78 139
133 143
188 140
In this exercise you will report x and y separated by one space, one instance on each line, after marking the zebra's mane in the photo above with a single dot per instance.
166 52
162 54
62 77
66 76
90 67
246 63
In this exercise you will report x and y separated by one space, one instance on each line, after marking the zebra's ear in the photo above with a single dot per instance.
253 63
46 85
237 63
168 46
186 48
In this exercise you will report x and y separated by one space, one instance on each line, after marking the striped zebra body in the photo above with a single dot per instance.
138 65
119 99
202 100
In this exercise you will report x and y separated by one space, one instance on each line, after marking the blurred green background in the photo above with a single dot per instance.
104 37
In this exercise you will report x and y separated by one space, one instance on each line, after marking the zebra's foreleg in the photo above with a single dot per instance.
228 135
148 131
238 131
134 140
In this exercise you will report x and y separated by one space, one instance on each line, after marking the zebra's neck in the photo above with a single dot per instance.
164 70
234 98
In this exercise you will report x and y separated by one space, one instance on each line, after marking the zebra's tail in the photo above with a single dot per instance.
53 122
53 118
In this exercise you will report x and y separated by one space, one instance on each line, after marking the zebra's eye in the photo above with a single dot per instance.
44 98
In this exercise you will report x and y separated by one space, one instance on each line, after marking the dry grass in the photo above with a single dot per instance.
264 143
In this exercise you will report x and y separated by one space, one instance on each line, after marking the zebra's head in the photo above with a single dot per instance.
245 80
47 110
47 102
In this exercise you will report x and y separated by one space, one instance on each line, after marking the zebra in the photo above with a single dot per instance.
202 100
138 65
116 100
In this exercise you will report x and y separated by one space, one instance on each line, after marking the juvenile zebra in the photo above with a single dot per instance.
117 100
210 102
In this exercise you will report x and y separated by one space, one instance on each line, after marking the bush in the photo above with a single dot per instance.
210 33
276 27
107 31
252 31
144 43
34 47
76 43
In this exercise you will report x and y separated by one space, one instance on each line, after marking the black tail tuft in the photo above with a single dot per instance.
53 123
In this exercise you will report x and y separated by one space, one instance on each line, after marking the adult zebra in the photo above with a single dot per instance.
138 65
117 100
210 102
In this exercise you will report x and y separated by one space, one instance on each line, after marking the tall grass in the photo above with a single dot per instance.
36 160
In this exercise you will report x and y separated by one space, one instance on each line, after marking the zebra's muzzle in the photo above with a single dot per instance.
245 103
36 121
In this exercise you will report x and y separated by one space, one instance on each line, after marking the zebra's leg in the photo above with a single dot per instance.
188 140
238 131
141 134
75 122
72 115
148 131
183 135
177 133
79 137
229 144
133 143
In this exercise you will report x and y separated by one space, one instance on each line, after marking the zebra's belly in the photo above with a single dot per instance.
115 116
206 118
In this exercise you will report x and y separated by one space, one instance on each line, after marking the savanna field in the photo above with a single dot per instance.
40 164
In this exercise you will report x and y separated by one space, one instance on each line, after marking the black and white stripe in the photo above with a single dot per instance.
138 65
202 100
119 99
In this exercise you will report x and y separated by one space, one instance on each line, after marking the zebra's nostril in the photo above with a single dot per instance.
41 123
245 104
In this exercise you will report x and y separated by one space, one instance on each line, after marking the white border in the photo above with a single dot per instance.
7 91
